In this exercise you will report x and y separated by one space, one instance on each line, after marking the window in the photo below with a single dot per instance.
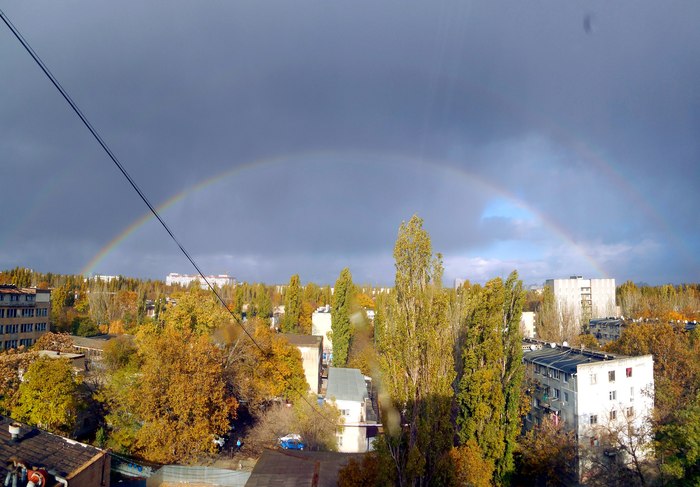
594 419
612 395
566 397
555 393
2 313
26 327
630 412
613 414
345 412
1 327
27 313
611 376
594 379
628 371
14 297
555 374
565 377
12 313
9 329
631 394
594 441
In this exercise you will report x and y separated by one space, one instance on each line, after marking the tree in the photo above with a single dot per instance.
258 375
197 310
48 396
488 393
547 455
12 363
58 342
292 306
417 368
182 399
471 466
340 318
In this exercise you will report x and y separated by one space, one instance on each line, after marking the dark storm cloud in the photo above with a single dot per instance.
587 113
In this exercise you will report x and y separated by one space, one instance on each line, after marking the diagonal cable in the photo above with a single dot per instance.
142 195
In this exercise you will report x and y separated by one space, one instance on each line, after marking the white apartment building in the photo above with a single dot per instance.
593 393
584 299
321 326
527 324
348 390
185 280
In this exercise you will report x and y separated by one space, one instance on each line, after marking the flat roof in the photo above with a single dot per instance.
95 342
287 468
346 385
565 359
303 340
43 449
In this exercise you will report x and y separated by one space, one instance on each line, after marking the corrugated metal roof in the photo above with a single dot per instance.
346 385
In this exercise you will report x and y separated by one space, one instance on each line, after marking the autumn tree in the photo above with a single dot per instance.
292 305
547 455
57 342
340 318
488 393
48 396
182 398
259 373
13 363
417 368
197 310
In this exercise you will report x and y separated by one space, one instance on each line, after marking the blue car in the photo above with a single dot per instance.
291 442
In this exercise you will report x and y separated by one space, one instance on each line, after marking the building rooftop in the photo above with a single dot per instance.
96 342
303 340
346 385
295 468
561 357
40 448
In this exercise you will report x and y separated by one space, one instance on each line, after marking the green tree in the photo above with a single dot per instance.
340 318
417 368
261 304
488 395
48 396
292 305
198 311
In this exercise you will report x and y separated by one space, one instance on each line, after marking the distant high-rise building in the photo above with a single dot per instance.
25 314
584 298
187 279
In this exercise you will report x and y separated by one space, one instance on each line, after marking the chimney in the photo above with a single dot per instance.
14 432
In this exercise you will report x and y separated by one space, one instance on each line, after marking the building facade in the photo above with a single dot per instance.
311 349
350 392
594 394
321 326
584 299
25 315
185 280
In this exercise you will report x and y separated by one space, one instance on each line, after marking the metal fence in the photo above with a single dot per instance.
199 476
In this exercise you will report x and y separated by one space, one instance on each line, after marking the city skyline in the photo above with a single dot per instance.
275 140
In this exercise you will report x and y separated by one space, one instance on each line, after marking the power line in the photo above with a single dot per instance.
142 195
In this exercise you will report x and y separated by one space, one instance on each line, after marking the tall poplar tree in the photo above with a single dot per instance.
292 305
340 317
415 344
488 392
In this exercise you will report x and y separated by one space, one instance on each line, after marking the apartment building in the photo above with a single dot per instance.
24 315
584 299
593 393
321 326
185 280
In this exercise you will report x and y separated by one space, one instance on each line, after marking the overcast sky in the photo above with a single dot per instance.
278 137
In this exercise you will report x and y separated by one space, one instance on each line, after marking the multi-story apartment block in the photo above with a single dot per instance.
24 315
321 326
186 279
584 299
595 394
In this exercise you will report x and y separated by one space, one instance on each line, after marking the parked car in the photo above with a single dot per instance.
291 442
